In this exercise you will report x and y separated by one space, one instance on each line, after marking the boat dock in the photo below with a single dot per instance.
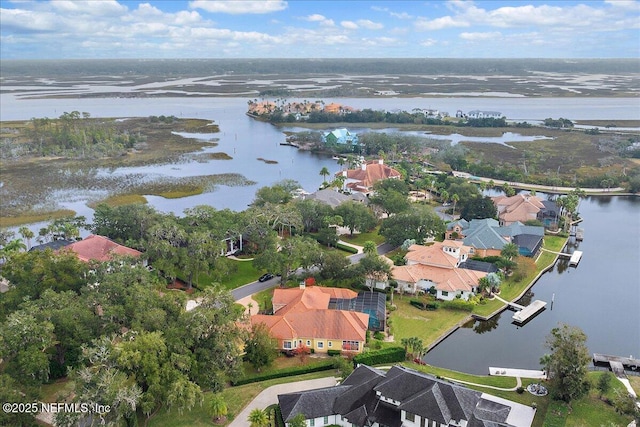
575 258
580 234
529 311
617 363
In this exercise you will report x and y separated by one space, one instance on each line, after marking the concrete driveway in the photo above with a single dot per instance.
269 396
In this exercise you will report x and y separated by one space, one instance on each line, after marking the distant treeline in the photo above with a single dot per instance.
70 68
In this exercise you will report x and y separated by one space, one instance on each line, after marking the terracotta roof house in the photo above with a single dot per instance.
438 266
369 173
313 316
100 248
487 238
522 207
402 397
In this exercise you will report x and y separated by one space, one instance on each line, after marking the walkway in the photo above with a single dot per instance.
513 304
360 249
269 396
518 384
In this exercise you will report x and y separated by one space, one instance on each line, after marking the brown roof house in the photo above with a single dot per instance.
522 207
369 173
302 318
100 248
438 265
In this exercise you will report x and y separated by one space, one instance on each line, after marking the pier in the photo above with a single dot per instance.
574 258
617 363
529 311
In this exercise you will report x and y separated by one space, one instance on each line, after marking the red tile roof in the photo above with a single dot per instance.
373 172
100 248
521 207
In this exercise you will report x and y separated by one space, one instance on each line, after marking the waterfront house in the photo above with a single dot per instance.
478 114
335 198
363 178
340 137
438 266
401 397
522 207
322 318
486 237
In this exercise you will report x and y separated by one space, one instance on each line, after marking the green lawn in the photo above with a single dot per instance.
360 238
235 397
241 273
510 289
408 321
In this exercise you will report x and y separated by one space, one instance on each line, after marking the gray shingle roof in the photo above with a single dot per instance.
311 403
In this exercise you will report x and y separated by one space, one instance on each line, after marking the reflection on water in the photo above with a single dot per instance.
601 296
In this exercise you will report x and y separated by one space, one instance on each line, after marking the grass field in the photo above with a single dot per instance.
408 321
360 238
241 273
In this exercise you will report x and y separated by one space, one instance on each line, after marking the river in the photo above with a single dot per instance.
601 296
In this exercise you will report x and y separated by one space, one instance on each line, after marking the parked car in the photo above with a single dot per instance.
265 277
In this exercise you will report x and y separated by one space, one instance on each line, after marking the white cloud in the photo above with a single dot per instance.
349 25
239 7
94 8
481 36
399 15
322 20
423 24
370 25
428 42
25 20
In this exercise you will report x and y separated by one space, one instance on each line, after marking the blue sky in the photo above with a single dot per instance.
319 29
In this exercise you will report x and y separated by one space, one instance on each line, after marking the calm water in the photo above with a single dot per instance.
601 296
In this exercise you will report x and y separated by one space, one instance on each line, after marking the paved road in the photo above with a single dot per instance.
269 396
253 287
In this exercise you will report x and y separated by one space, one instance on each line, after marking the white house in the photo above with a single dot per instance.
478 114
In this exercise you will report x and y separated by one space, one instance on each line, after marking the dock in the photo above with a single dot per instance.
575 258
580 234
617 363
529 311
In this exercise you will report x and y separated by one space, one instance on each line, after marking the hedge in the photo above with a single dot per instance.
288 372
346 248
431 305
379 357
458 304
334 352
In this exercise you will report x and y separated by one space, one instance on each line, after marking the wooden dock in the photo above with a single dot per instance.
617 363
575 258
529 311
580 234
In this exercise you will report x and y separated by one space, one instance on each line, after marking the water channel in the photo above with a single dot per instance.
601 296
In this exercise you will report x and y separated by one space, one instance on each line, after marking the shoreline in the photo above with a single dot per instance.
472 316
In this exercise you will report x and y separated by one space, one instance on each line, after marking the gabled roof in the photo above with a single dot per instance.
435 254
311 403
334 198
100 248
53 245
373 172
321 324
309 298
357 400
449 280
521 207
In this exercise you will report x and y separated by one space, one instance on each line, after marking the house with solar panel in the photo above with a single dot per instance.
402 397
323 318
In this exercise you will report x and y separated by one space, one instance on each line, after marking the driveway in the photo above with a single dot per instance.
269 396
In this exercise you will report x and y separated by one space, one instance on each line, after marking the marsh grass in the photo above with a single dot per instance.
119 200
269 162
34 184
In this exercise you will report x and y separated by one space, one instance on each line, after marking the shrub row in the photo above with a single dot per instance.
288 372
334 352
346 248
431 305
379 357
458 304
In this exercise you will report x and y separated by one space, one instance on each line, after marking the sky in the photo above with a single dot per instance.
64 29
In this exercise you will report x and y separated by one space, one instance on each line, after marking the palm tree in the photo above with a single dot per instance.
27 235
509 251
341 162
325 172
339 181
258 418
455 199
218 407
370 248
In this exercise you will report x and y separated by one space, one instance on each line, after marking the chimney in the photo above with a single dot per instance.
363 166
381 161
302 285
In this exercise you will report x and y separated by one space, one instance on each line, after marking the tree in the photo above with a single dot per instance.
298 421
343 365
374 269
418 223
455 199
568 362
218 408
604 383
325 173
370 247
509 251
391 195
258 418
260 347
27 235
356 216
